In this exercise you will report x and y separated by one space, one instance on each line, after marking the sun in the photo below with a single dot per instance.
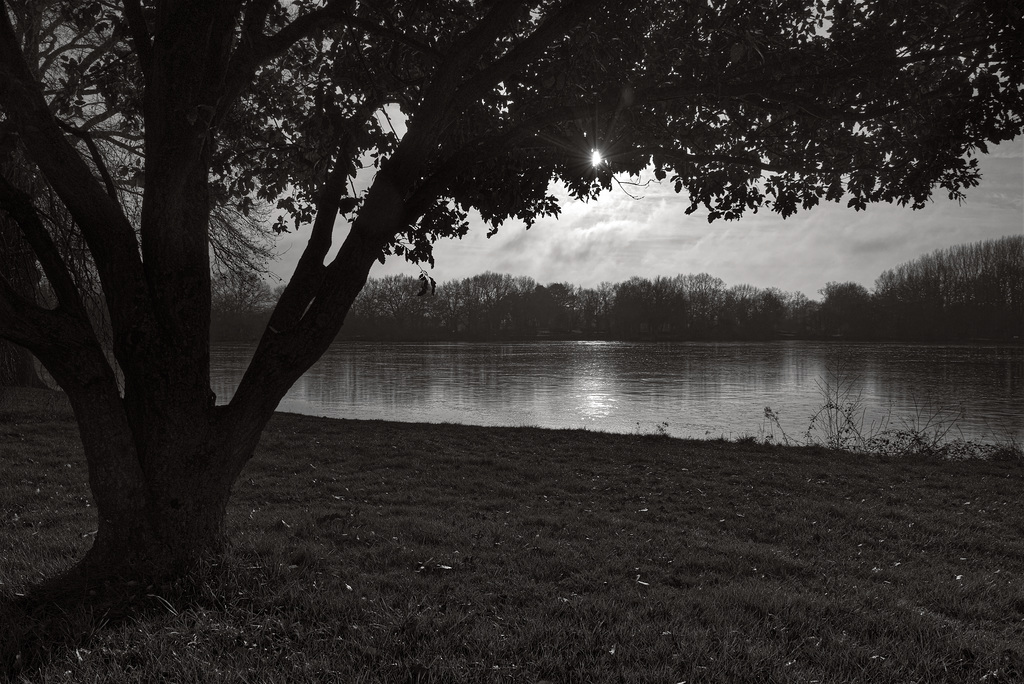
595 158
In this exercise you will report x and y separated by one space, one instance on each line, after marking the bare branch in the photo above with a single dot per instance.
120 139
18 205
97 158
70 45
96 120
97 52
104 226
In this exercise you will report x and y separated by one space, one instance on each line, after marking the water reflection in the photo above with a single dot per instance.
696 389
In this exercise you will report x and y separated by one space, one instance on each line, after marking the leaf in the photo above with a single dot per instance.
347 204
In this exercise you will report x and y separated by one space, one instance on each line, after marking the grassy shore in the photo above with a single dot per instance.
385 552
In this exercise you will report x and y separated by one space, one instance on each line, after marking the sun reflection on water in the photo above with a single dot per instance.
696 389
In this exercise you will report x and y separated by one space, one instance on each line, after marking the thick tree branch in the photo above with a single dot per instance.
108 233
255 49
97 119
334 13
50 335
140 34
309 272
313 306
97 158
434 113
18 205
13 309
253 20
67 45
481 37
556 26
96 52
129 142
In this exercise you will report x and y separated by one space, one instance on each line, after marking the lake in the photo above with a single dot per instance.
685 389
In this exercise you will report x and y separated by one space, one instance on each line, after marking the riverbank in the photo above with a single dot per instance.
368 551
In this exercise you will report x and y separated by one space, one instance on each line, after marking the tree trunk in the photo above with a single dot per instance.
160 465
166 535
162 517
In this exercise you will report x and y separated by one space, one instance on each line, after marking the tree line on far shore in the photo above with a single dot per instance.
966 292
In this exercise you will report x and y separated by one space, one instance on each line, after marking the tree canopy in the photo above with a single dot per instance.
741 104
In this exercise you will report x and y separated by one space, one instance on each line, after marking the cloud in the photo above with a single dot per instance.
1006 150
617 237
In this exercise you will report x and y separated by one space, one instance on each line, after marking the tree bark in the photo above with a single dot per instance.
161 489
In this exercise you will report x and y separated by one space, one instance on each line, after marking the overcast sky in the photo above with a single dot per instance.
617 237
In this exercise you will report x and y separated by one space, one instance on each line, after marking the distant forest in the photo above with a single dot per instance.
967 292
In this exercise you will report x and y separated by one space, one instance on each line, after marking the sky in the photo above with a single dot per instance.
617 237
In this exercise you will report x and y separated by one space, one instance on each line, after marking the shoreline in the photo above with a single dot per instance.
54 403
373 551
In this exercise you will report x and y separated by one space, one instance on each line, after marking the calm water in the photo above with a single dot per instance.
687 389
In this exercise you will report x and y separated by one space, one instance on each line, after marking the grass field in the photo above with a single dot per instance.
383 552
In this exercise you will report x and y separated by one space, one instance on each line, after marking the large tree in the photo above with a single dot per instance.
742 104
76 53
